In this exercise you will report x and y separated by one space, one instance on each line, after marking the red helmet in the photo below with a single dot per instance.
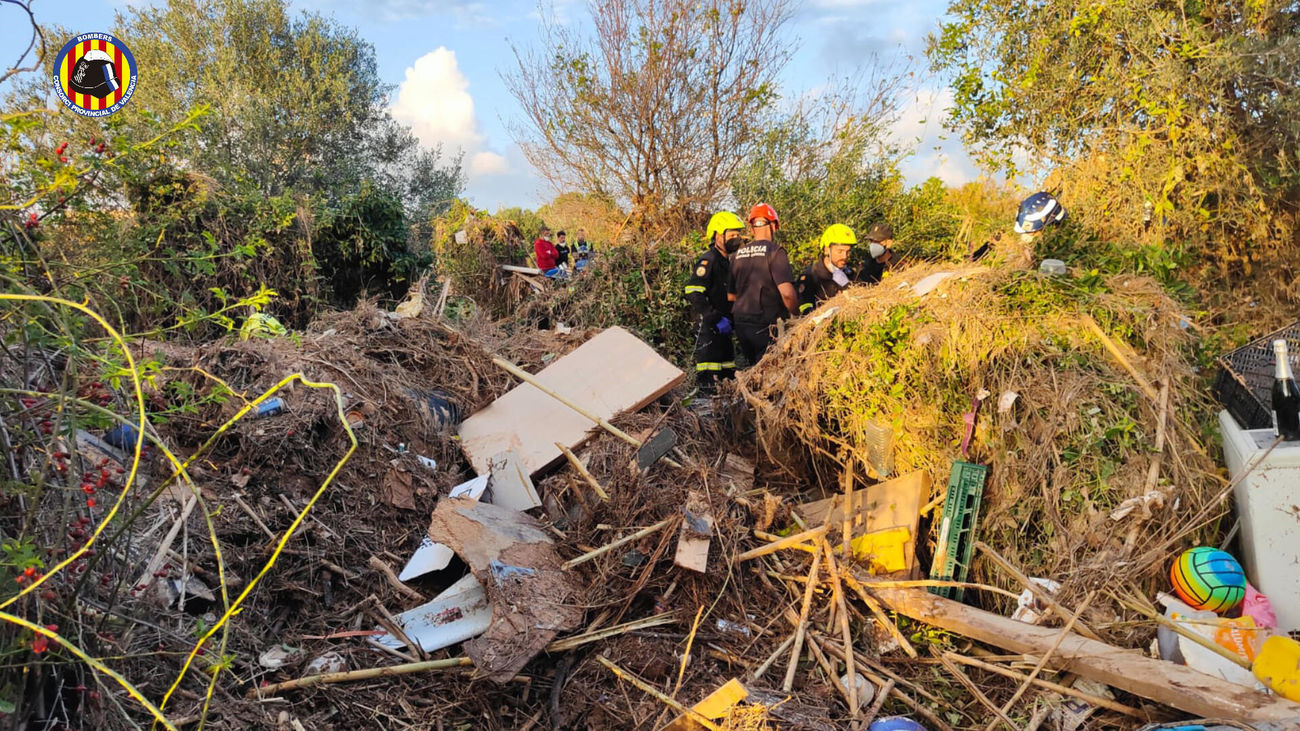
764 211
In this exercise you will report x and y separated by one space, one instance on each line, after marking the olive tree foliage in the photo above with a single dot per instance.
1166 120
656 104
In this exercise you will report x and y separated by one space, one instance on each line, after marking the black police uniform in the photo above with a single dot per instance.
756 271
817 284
706 291
869 271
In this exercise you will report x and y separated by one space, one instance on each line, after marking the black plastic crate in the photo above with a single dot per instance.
1244 384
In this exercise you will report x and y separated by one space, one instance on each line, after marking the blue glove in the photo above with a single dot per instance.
724 326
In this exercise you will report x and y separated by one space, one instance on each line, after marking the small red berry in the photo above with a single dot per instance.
20 579
63 159
90 502
49 596
59 150
40 644
31 571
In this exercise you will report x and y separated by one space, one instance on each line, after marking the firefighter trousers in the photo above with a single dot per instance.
715 356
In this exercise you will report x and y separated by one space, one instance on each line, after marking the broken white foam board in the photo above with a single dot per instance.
511 486
460 613
612 373
432 556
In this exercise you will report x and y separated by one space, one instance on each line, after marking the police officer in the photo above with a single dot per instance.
706 291
830 274
762 284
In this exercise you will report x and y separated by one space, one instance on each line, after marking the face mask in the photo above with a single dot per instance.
733 245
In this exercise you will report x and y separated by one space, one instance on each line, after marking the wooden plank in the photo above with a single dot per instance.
1129 670
878 507
611 373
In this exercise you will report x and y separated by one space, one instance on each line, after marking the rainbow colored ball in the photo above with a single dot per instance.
1207 578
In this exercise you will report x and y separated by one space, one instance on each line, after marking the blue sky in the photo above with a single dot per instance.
446 58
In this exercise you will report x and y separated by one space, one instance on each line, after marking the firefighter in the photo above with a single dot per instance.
830 274
762 284
1036 213
706 291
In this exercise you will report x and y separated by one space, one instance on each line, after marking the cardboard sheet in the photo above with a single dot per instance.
891 504
611 373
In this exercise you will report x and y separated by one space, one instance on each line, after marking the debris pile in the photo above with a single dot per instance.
533 531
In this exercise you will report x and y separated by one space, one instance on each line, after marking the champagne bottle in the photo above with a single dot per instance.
1286 397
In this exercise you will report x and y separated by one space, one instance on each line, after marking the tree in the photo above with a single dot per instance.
1176 121
657 106
827 161
297 102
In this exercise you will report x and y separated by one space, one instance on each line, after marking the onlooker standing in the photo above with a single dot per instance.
582 249
562 247
546 253
762 285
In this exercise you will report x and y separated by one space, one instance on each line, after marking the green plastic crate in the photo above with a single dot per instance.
956 543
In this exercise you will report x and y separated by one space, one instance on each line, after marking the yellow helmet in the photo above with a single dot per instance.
723 221
838 233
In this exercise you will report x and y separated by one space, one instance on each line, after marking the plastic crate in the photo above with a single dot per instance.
1244 384
956 543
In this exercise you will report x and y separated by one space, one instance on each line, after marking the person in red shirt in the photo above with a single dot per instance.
547 254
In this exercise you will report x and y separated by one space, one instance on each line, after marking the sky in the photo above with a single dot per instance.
446 59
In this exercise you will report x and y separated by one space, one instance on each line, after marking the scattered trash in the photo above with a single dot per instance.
879 438
512 488
735 628
1052 267
432 556
531 601
1265 497
1029 608
280 656
610 373
1278 666
427 462
696 534
1006 401
457 614
122 436
438 407
1207 578
1238 636
961 506
270 407
1259 608
896 723
890 512
330 662
866 691
1074 712
715 706
655 448
634 559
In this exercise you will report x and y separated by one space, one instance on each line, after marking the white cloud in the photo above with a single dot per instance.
935 151
488 163
434 100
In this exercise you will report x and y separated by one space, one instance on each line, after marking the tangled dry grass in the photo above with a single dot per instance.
1069 434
